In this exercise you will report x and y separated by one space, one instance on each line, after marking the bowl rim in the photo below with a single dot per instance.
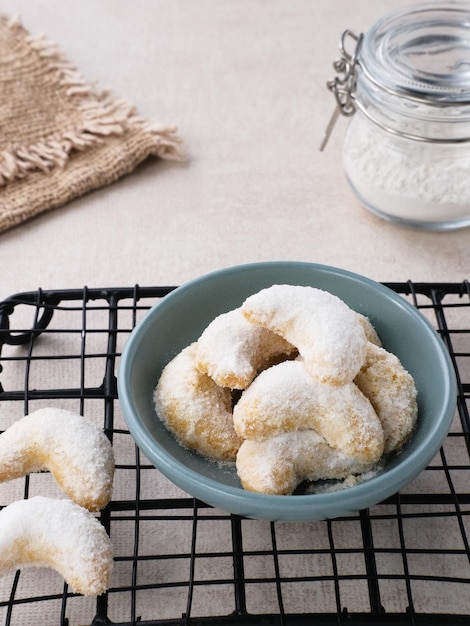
374 490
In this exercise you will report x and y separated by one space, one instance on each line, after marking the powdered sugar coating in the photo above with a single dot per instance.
371 333
232 350
71 447
45 532
327 333
195 409
279 464
285 398
392 392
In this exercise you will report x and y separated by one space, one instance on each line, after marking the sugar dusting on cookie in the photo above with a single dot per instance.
326 331
46 532
74 449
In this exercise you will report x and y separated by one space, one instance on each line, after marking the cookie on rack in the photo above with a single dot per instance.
45 532
74 449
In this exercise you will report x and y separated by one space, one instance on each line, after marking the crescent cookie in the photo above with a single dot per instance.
392 392
76 452
327 333
195 409
59 534
232 350
371 333
279 464
285 398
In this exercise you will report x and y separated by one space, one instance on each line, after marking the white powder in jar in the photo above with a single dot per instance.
408 180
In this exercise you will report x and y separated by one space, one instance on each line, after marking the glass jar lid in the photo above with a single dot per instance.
422 53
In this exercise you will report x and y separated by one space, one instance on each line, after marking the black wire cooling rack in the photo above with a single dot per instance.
179 561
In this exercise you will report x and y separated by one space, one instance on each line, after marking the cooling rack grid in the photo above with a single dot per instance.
178 561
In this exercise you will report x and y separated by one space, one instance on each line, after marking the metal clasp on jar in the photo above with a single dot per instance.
343 84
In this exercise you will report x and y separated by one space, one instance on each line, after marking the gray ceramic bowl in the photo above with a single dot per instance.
180 318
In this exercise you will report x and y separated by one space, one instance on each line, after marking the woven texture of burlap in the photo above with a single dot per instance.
60 138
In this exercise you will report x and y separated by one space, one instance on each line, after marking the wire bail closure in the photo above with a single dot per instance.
343 84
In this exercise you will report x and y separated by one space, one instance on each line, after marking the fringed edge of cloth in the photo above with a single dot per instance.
101 115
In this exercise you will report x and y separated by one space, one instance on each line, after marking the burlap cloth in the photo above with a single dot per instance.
59 138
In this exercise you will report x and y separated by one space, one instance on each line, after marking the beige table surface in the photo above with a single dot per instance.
244 81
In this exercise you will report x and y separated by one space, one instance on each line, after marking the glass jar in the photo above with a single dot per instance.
407 89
